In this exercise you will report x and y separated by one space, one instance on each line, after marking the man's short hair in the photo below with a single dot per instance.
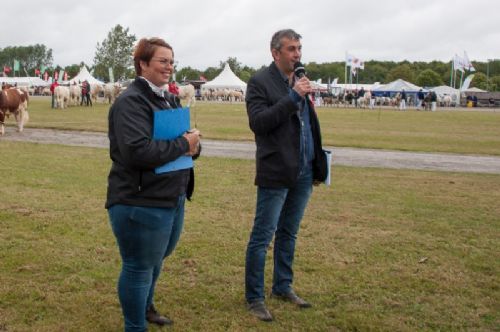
285 33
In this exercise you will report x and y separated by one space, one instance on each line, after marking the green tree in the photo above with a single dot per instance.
73 69
245 75
429 78
116 52
402 71
494 84
373 72
30 58
187 73
479 81
211 72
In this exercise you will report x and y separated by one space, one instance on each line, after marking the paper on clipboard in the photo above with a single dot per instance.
168 125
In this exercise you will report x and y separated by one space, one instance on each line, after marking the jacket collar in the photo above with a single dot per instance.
276 72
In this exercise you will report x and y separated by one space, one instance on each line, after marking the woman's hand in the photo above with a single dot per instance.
193 138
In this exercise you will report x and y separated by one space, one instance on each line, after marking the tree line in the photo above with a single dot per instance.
115 52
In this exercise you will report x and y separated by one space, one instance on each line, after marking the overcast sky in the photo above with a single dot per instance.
203 33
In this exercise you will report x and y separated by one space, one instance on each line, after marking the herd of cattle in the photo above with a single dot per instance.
350 100
14 100
71 95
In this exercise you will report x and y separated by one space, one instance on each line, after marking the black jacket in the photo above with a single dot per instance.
135 155
273 118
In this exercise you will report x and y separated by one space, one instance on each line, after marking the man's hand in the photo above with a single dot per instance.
302 86
193 137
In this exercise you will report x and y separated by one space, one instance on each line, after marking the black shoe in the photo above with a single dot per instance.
259 310
292 297
152 316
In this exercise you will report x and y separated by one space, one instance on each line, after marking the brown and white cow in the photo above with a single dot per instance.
13 101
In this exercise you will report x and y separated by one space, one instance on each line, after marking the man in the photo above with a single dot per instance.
421 97
433 101
402 103
53 86
289 159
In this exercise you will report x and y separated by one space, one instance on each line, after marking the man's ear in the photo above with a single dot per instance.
275 53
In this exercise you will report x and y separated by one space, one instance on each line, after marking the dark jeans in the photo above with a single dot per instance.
278 213
145 237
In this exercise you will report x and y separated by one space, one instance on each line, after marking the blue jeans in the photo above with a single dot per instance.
278 213
145 236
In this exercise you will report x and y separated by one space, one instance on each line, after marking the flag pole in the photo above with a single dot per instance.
451 73
345 69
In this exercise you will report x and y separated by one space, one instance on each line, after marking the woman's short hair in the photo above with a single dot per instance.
145 49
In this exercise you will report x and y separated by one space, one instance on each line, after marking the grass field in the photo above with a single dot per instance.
454 131
380 250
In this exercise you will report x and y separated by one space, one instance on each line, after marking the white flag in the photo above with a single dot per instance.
467 64
458 63
348 59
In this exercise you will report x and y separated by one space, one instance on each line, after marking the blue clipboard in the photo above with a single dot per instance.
168 125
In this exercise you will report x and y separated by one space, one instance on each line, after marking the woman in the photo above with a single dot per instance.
146 209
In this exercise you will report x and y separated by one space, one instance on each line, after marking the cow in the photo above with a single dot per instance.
111 91
75 93
187 93
62 96
95 90
13 101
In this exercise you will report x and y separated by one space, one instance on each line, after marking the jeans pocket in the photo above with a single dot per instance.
151 218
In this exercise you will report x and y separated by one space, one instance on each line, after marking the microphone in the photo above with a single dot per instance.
299 70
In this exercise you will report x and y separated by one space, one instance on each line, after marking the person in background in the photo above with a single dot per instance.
84 94
373 99
402 102
146 209
52 92
420 99
173 88
433 101
87 92
289 160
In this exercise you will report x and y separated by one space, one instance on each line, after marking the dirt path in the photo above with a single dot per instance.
246 150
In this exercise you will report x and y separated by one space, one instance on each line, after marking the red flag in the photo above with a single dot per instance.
7 69
37 72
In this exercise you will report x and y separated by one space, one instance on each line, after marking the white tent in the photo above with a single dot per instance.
397 86
24 81
443 90
475 90
226 79
84 75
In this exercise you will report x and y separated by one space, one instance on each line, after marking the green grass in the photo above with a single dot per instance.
456 131
382 250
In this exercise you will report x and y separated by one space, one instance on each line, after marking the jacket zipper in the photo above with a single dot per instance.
140 181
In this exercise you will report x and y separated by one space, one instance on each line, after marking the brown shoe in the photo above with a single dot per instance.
259 310
292 297
153 317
